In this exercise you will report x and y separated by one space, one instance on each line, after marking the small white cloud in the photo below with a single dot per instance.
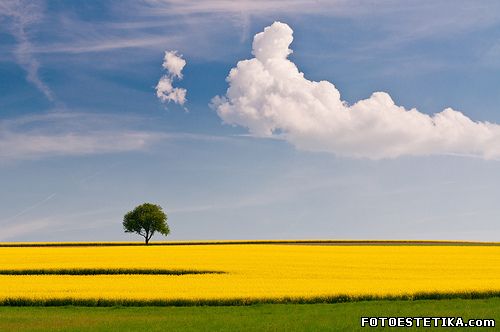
268 95
173 63
166 92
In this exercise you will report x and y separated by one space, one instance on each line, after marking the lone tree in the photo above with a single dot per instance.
145 220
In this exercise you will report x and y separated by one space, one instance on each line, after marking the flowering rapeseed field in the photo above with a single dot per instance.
251 272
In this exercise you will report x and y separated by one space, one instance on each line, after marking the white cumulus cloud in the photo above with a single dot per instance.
173 63
271 97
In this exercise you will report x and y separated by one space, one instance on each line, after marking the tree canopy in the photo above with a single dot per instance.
145 220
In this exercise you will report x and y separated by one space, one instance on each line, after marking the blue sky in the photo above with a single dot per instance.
83 137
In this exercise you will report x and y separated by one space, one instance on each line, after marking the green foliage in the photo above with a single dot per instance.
242 301
146 220
92 271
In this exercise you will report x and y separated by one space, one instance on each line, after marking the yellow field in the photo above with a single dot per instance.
262 271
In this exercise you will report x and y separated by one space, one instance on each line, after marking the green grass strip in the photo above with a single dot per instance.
89 272
242 301
233 242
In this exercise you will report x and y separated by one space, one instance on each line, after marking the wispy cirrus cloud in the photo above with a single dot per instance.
18 17
69 134
64 133
36 145
107 44
20 228
414 18
190 7
195 26
32 223
30 208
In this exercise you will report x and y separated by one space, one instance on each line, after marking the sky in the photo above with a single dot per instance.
250 119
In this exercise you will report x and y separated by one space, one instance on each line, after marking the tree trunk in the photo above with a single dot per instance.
147 240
